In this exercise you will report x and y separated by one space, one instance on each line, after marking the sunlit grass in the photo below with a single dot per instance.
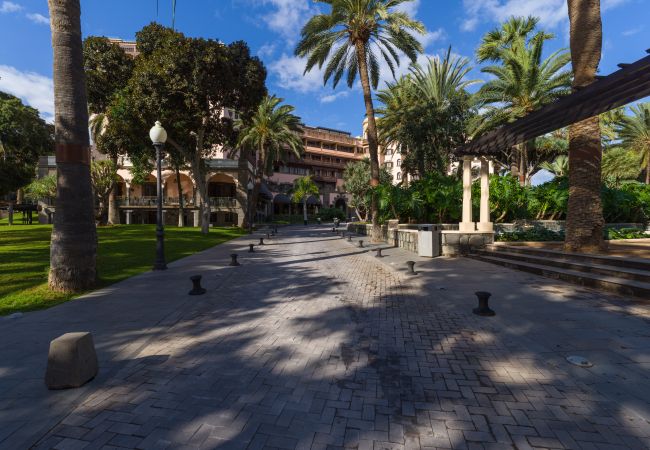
123 251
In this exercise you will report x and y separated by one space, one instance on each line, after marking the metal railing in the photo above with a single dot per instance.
223 202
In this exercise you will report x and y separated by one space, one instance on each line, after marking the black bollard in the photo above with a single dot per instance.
268 235
411 267
261 241
251 248
196 285
360 244
233 260
378 255
333 230
483 308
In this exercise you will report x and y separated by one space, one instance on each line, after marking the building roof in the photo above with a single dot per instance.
630 83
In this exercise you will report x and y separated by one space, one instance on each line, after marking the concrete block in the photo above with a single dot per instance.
71 362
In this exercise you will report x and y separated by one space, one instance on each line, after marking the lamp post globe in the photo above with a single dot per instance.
158 137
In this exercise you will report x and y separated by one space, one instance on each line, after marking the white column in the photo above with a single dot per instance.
467 225
195 213
485 225
128 216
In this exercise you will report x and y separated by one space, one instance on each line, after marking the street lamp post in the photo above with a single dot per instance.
250 187
158 137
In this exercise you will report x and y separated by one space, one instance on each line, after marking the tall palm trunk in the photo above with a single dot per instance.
74 236
113 207
647 169
585 223
373 145
304 210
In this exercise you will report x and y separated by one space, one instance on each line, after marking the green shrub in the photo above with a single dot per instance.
535 234
329 214
624 233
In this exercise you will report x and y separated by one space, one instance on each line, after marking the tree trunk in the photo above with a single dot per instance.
179 186
20 196
373 146
73 247
304 210
647 170
254 197
113 207
585 223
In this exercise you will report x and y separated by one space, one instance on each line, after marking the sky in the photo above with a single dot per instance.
272 27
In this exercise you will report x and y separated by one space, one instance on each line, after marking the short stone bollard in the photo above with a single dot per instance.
196 285
251 248
360 243
411 267
261 241
71 361
233 260
483 308
349 238
378 255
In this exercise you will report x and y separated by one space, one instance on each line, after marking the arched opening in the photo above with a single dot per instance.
222 191
341 204
172 196
143 194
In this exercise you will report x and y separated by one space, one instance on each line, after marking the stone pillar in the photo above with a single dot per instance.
196 214
164 217
485 224
128 213
467 225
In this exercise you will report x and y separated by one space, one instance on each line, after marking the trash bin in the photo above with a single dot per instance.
429 240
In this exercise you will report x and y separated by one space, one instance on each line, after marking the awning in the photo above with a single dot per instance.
313 200
265 192
281 198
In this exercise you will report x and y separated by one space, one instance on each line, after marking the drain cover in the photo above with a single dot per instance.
579 361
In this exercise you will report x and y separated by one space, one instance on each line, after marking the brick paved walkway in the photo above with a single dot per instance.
313 343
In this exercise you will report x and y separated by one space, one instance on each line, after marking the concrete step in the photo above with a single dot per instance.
618 285
618 261
568 263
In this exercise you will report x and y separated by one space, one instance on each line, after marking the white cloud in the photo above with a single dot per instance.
632 31
287 17
34 89
9 7
333 97
266 50
38 18
431 36
288 71
410 7
551 13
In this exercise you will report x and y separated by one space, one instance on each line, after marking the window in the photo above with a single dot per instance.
399 163
399 175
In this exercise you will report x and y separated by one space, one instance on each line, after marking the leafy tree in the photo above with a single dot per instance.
73 247
24 136
103 175
352 38
620 164
185 83
108 69
426 113
523 82
634 132
41 188
270 133
357 178
585 223
303 188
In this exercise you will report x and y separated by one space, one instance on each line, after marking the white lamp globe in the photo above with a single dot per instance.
158 134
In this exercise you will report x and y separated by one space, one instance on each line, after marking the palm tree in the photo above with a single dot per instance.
272 132
522 83
620 164
303 188
585 222
634 132
73 247
352 38
559 167
514 34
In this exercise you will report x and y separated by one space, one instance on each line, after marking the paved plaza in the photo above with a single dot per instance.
313 343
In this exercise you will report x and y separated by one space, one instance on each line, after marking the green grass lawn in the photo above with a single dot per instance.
123 251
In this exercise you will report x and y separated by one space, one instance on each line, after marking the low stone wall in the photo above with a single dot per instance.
552 225
393 236
456 243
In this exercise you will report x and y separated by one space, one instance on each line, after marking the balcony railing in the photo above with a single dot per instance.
223 202
152 201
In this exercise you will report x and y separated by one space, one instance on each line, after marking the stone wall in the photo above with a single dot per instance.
455 243
552 225
392 235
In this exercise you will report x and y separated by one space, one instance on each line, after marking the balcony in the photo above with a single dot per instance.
152 201
223 202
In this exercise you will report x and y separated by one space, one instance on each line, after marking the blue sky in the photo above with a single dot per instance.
271 28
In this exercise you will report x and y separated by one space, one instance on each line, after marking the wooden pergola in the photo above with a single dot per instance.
628 84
